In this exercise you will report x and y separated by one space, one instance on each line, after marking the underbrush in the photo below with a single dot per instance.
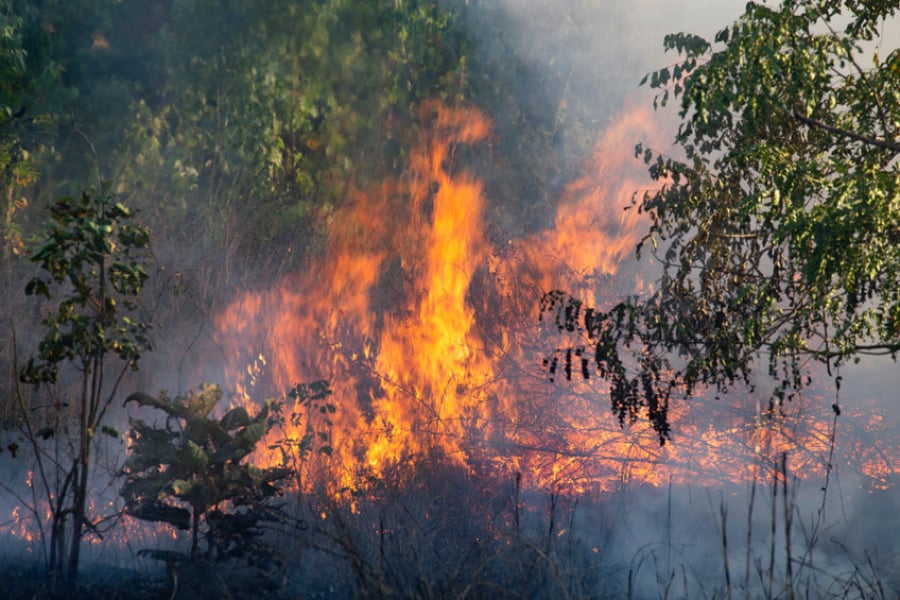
437 531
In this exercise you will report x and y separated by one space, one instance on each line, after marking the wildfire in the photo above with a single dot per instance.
430 338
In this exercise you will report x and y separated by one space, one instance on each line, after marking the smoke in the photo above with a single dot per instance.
579 62
559 77
692 540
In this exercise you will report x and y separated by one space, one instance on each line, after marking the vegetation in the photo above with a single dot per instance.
237 130
310 415
192 473
190 108
776 230
92 263
185 110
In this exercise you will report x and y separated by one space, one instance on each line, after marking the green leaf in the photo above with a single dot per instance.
202 402
182 488
192 456
110 431
235 418
177 516
37 287
253 433
165 405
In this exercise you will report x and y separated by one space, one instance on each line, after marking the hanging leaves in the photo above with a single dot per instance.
777 230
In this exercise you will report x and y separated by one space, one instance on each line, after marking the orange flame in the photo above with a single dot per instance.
431 340
595 232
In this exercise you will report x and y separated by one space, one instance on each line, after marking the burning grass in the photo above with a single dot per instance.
429 334
429 528
445 463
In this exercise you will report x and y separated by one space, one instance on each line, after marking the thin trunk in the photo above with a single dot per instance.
723 513
59 515
78 522
57 534
788 517
749 537
81 483
381 552
774 530
516 506
195 532
669 571
552 525
91 386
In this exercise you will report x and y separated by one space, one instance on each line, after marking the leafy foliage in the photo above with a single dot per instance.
97 258
189 108
777 229
92 270
16 168
285 102
306 428
192 474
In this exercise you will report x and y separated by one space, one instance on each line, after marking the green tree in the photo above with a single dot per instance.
192 474
235 127
310 418
92 263
777 227
16 168
285 102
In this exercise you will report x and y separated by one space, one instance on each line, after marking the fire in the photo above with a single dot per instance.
595 233
387 303
428 358
430 338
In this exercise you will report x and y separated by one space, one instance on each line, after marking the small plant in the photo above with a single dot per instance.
192 473
306 429
92 270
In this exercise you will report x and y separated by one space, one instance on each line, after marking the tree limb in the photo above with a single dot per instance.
884 144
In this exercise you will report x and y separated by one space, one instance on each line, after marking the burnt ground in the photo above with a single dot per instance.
23 580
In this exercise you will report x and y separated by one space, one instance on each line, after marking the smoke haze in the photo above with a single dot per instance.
416 294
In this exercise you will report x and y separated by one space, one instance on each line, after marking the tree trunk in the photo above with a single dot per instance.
57 543
78 518
195 532
81 484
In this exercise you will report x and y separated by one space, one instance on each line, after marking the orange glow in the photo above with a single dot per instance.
430 338
596 228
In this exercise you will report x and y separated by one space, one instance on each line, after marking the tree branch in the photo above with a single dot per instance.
884 144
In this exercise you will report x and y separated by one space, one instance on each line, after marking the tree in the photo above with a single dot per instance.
777 229
16 168
92 271
285 102
309 417
191 474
